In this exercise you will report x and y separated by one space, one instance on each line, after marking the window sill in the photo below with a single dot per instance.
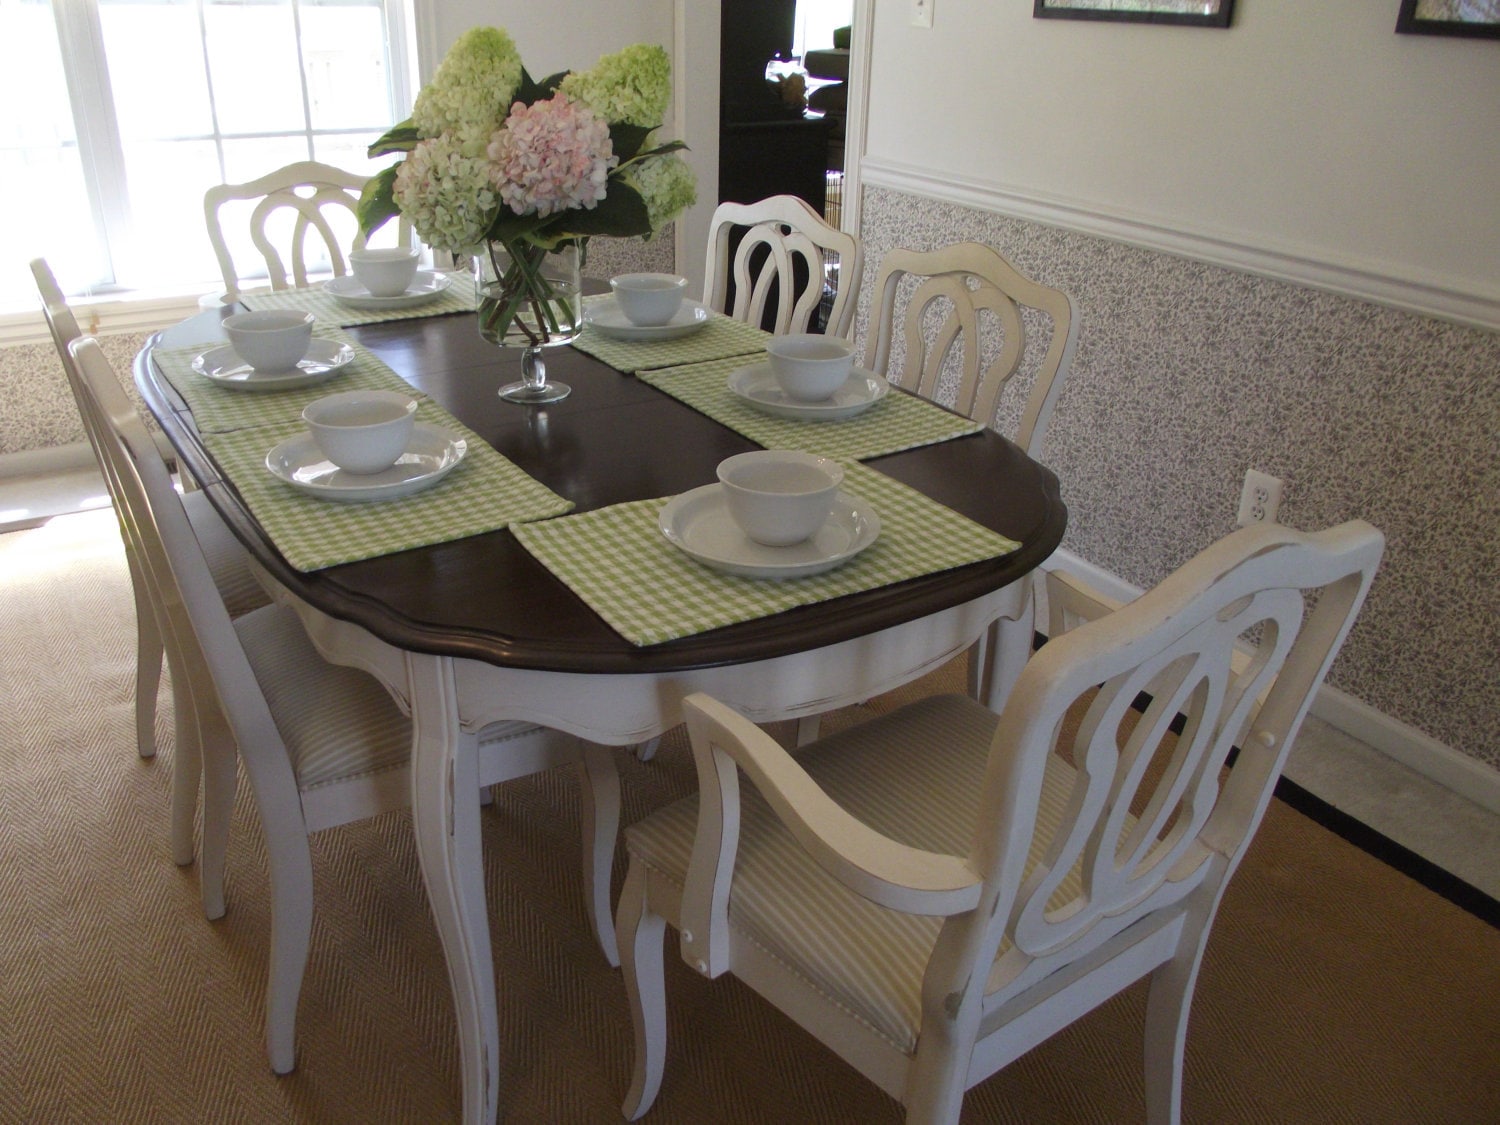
111 316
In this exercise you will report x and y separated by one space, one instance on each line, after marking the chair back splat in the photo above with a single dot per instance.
953 295
933 892
781 263
320 202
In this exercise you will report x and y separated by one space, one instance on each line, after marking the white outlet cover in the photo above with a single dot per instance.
921 13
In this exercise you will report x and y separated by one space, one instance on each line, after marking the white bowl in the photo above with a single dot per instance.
362 431
779 497
270 340
387 272
648 300
809 367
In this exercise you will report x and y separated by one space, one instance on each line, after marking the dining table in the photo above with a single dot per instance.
469 617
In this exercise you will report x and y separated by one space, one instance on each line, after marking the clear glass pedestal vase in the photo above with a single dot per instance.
529 298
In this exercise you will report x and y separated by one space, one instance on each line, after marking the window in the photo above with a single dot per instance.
123 112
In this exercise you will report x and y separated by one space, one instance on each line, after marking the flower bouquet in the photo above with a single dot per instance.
519 174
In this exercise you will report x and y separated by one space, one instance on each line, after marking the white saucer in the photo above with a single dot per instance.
608 320
424 287
223 366
431 455
699 523
757 386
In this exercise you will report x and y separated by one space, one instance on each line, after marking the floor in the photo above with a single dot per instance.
1435 823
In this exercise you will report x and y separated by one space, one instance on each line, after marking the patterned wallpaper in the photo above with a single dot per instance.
1187 374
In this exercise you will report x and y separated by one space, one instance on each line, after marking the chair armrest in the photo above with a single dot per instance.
887 872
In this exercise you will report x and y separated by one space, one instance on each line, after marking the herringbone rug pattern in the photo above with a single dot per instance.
1335 989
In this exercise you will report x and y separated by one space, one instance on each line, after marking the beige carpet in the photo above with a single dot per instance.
1335 989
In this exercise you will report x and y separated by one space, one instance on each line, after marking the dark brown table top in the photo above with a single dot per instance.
613 439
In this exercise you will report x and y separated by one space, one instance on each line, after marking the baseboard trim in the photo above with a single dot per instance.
1454 299
39 462
1397 740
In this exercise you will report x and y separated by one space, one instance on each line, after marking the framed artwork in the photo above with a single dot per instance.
1479 19
1195 13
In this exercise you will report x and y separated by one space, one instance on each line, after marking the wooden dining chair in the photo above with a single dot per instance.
782 256
935 891
322 744
319 202
228 565
964 318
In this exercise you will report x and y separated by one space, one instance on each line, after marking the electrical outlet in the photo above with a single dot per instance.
1261 498
921 13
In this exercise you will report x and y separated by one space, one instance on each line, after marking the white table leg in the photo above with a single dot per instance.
445 817
1002 653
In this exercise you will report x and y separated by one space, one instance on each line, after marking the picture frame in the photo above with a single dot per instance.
1190 13
1474 19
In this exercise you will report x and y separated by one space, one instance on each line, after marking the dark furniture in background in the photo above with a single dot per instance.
765 148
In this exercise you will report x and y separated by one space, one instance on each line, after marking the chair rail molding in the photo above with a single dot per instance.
1399 741
1413 291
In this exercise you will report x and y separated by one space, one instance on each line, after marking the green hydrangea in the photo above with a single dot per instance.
447 196
633 86
471 93
667 185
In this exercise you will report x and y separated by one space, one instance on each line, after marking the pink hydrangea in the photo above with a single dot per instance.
551 156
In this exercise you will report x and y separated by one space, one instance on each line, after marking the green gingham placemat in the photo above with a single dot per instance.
720 338
219 409
617 560
458 297
898 421
485 492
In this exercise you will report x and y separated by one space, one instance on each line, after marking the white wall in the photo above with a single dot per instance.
1310 130
552 35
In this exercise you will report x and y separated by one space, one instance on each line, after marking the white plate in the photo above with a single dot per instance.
431 455
608 320
424 287
699 523
757 386
225 367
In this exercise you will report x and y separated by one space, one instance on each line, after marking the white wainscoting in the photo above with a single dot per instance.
1365 280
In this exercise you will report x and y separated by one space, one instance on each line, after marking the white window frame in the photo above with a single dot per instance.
81 43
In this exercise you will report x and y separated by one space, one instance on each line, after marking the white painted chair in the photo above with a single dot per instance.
228 565
784 242
322 744
960 291
321 200
962 313
935 891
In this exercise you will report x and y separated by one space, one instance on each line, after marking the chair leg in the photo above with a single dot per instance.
1167 1006
220 762
149 654
645 751
291 934
187 767
600 819
807 729
642 935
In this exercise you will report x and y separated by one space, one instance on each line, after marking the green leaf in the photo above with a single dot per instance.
620 214
398 138
659 150
530 90
627 140
377 202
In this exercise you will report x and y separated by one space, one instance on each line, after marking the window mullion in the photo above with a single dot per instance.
103 156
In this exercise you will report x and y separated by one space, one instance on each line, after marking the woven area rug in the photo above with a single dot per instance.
1334 990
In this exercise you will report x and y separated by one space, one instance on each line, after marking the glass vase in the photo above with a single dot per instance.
529 298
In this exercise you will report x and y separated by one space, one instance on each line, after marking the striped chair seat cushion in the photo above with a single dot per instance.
227 558
337 722
915 776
